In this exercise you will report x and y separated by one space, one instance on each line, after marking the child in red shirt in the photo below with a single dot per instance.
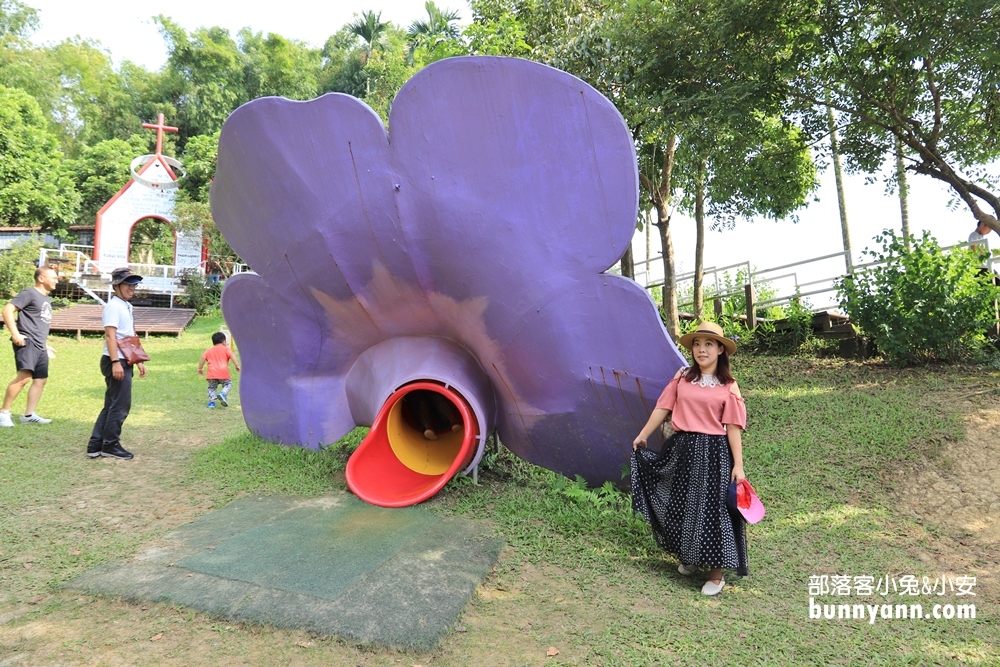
218 357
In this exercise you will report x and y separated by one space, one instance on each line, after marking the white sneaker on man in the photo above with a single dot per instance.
34 418
5 420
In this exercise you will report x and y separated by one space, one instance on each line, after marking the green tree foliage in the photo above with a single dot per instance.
140 99
741 167
18 21
370 70
342 64
370 29
922 304
278 66
203 76
435 37
925 73
737 156
385 73
538 22
102 170
79 92
35 186
758 168
209 74
496 31
201 156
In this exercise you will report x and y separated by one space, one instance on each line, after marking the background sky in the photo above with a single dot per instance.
126 31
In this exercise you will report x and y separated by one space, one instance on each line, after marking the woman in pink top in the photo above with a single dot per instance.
682 489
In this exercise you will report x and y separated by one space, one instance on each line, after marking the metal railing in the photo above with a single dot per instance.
809 288
87 274
87 250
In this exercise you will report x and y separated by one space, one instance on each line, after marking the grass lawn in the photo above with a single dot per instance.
827 445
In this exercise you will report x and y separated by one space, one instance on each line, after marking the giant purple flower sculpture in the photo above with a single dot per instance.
465 248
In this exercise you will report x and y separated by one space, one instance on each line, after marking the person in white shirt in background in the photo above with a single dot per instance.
980 233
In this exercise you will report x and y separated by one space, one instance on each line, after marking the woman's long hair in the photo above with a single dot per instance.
722 372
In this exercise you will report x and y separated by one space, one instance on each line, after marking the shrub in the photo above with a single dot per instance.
921 304
735 306
17 267
794 331
203 293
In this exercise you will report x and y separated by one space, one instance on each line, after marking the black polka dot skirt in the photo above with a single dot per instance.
681 492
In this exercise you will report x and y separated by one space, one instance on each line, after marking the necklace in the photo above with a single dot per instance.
706 381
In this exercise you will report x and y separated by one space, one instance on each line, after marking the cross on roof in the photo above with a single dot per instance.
160 129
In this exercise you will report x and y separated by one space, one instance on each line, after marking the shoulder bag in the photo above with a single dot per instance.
131 349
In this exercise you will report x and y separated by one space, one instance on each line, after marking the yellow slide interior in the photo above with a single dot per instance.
428 457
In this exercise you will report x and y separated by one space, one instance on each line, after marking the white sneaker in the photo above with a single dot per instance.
34 418
712 588
5 420
687 569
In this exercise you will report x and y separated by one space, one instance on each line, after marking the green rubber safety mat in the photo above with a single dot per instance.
331 565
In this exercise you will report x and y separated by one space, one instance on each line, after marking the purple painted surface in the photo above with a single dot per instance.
485 219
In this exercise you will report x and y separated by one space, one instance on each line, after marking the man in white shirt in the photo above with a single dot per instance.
118 324
980 233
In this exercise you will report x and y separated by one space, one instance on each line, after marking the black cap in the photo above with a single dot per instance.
125 275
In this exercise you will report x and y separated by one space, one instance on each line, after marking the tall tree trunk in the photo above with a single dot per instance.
662 201
649 247
904 193
699 245
660 195
670 316
628 263
839 176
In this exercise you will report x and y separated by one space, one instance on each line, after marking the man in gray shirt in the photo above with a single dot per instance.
28 333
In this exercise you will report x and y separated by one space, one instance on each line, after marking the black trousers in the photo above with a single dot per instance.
117 403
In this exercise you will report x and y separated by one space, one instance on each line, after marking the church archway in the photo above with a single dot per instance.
152 241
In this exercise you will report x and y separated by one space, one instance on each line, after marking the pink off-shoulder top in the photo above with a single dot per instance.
702 409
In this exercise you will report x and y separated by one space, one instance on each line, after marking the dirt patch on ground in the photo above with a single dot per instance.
956 495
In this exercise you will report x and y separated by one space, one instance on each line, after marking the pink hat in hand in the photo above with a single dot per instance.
744 500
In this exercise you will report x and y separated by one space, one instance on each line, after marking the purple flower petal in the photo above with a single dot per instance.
485 219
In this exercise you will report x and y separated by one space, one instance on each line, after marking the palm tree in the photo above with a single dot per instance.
369 27
439 26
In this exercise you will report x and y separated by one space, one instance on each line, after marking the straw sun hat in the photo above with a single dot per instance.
709 330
